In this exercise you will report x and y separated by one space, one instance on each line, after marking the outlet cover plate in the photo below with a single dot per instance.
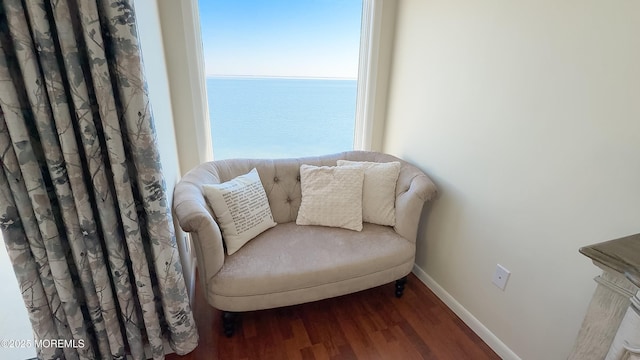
500 277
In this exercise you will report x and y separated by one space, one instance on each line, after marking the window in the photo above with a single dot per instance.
185 66
281 77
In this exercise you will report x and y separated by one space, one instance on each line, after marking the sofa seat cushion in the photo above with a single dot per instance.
289 256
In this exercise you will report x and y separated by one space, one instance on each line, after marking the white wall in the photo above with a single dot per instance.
157 80
383 64
151 42
185 64
527 116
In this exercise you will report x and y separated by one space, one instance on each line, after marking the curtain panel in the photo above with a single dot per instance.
83 207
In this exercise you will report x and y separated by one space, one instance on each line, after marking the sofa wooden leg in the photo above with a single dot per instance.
228 323
400 286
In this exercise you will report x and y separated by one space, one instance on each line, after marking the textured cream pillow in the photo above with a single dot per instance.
379 191
241 208
331 196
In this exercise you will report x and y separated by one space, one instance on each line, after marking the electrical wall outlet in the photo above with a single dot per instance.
500 277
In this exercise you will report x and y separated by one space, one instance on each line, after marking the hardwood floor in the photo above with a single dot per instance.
372 324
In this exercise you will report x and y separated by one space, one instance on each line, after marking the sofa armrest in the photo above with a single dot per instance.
194 217
415 189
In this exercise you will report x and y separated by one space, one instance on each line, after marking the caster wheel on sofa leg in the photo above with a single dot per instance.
400 286
228 323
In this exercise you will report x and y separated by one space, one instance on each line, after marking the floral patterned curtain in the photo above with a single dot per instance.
83 209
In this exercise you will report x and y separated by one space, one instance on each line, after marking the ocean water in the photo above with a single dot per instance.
280 118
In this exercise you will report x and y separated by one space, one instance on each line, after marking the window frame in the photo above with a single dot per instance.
367 70
182 36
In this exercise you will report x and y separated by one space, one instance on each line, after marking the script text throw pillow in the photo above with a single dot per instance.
241 208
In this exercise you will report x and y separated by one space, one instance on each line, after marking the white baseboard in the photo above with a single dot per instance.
476 326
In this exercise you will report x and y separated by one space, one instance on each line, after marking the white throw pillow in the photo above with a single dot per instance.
241 208
379 191
331 196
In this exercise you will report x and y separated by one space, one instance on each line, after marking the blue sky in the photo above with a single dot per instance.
299 38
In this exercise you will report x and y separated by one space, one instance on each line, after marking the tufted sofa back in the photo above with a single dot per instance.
280 177
281 181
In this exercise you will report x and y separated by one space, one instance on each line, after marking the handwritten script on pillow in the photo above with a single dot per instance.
241 208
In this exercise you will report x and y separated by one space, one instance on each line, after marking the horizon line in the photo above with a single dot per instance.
280 77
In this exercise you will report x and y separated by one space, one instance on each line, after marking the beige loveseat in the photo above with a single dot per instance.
291 264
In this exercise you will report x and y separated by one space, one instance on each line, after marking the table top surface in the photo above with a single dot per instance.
621 254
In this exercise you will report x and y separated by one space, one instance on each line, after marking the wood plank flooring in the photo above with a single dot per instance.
371 324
